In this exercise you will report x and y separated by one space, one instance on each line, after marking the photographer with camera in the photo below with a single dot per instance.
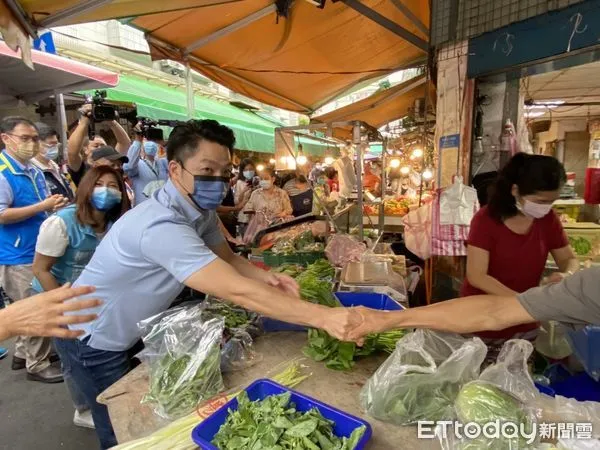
149 173
80 146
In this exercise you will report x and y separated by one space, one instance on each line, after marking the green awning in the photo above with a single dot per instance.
161 101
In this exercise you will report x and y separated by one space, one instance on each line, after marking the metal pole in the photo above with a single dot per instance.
189 87
383 186
359 184
61 122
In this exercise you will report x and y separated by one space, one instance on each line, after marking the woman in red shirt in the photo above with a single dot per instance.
511 237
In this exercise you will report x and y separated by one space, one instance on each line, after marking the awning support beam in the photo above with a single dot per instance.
230 28
388 24
171 48
21 17
72 11
411 16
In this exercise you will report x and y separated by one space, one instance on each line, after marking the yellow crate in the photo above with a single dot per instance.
585 239
570 210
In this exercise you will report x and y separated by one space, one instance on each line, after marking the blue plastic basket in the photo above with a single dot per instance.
369 299
345 423
585 343
580 387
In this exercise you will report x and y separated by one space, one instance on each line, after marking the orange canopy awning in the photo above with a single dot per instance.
299 63
379 109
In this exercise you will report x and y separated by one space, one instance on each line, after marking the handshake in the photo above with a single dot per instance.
353 324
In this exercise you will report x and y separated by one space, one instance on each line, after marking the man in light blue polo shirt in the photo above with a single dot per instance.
170 241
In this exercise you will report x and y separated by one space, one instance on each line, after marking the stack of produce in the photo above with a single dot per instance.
274 423
394 207
303 242
315 286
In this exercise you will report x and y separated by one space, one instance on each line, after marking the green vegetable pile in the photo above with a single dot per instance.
235 316
177 386
304 242
275 424
315 287
580 245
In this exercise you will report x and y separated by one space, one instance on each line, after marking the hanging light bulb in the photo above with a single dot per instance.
260 167
328 160
427 175
417 153
301 160
395 163
272 161
405 170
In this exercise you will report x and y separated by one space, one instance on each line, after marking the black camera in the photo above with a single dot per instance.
149 130
100 111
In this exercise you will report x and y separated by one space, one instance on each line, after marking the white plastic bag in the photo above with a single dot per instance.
417 231
421 379
183 353
458 204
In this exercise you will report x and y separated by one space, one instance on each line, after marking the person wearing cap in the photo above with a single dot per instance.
80 147
147 174
108 156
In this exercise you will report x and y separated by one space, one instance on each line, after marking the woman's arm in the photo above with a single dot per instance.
42 265
123 141
477 273
566 260
286 205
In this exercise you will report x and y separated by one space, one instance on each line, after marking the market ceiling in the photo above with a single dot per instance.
297 63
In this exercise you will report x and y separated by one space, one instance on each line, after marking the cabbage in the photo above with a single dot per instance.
482 402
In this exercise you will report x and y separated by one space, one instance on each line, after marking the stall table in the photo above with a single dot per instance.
132 420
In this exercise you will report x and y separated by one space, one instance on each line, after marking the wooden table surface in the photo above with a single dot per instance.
132 420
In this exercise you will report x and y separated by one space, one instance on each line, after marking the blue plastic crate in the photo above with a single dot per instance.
580 387
369 299
345 423
585 344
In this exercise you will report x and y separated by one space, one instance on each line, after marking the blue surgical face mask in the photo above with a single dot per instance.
248 174
209 191
105 198
150 148
52 153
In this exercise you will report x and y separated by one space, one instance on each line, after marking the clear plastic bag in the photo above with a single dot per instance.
421 379
559 409
504 393
342 249
183 353
238 352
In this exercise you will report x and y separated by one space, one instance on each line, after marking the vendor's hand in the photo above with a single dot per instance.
341 323
43 314
235 241
371 322
284 282
54 203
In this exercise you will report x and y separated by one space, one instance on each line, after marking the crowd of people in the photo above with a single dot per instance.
130 229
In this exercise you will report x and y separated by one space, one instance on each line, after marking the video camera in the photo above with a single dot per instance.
100 111
150 130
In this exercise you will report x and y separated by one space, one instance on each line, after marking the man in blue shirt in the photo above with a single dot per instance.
148 173
168 242
24 205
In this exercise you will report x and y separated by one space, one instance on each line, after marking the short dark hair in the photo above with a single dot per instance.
330 172
531 174
9 123
246 162
184 139
45 131
83 198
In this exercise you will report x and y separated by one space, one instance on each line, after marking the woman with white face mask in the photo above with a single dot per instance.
511 237
46 161
269 200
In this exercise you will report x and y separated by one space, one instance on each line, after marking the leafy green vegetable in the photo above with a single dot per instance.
580 245
275 424
482 402
177 386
